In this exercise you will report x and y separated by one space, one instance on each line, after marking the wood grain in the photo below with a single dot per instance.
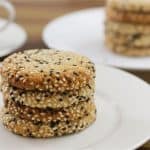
33 15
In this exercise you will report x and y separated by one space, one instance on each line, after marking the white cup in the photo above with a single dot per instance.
11 13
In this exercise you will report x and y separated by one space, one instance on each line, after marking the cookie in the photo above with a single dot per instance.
47 70
39 130
127 28
129 17
47 115
131 40
130 5
128 51
41 99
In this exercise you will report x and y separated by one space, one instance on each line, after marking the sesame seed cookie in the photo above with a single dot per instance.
127 28
40 130
41 99
130 40
47 70
128 51
122 16
130 5
47 115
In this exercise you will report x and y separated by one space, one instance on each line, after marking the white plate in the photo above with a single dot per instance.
83 31
123 119
11 38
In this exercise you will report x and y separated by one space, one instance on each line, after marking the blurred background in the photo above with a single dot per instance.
33 15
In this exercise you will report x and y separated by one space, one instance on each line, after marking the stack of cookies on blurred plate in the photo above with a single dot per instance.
128 27
47 93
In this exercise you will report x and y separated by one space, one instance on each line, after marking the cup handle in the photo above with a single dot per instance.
11 10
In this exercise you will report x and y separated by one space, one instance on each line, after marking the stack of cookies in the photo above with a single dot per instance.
47 93
128 27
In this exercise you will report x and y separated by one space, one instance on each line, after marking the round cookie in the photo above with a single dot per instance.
127 28
128 51
130 5
39 130
41 99
47 70
71 113
122 16
131 40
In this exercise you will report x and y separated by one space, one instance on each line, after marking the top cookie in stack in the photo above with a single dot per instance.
48 70
48 93
128 27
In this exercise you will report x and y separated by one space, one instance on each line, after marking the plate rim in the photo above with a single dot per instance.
138 79
24 39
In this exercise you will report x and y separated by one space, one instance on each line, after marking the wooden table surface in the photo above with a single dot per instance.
33 15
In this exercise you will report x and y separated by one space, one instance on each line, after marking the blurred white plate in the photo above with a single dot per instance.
83 31
123 118
12 38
